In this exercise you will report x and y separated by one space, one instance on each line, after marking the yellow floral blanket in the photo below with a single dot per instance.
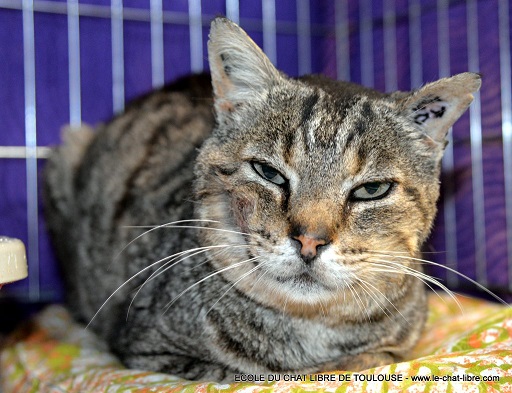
460 351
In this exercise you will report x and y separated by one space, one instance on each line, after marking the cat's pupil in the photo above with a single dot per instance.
372 188
269 172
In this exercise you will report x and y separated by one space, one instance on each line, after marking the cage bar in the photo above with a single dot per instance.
29 65
448 164
269 29
416 61
116 20
390 64
342 40
196 35
476 147
75 105
304 36
506 122
233 10
366 42
303 30
157 43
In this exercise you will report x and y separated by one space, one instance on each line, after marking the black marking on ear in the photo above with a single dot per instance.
440 112
421 118
422 113
426 101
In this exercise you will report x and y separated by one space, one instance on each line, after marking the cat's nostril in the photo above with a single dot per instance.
309 246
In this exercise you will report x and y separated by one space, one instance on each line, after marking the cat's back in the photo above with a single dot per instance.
136 169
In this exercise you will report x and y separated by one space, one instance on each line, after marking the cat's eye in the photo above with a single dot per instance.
269 173
371 191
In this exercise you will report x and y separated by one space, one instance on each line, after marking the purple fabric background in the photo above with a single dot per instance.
52 100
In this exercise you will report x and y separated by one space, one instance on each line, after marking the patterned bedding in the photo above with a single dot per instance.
460 351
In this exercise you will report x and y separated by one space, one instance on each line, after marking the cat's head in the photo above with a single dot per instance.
329 184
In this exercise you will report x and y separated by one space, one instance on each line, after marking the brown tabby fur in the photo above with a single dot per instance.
303 267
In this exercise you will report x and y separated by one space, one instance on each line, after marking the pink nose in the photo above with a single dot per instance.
309 245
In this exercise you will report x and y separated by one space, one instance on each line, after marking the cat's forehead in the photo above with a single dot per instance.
312 126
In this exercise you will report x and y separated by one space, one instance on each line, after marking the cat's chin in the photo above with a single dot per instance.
301 279
303 294
303 284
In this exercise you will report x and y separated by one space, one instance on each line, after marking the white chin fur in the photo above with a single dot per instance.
288 275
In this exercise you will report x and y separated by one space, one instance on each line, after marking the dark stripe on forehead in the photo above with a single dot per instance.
359 126
366 111
288 140
365 119
355 131
348 144
307 109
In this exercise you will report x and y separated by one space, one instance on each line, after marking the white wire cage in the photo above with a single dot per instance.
74 61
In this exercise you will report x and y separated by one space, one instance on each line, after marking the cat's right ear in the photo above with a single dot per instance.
436 106
241 72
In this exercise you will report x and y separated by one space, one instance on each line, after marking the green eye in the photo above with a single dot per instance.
371 191
269 173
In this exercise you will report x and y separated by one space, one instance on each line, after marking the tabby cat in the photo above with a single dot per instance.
268 225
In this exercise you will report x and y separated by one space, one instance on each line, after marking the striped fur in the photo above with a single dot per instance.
285 268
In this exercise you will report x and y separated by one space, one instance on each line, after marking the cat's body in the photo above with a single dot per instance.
320 190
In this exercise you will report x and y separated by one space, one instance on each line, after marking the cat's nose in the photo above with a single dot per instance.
309 246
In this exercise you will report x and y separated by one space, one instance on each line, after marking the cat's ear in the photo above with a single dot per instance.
437 105
240 71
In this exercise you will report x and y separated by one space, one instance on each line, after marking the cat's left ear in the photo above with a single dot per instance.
437 105
241 73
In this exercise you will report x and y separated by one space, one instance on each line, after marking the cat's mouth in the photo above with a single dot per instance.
304 279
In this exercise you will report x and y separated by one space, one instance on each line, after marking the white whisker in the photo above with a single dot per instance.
421 276
162 269
235 265
480 286
170 257
404 252
358 300
371 295
186 226
233 285
391 269
158 227
260 277
367 283
214 255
